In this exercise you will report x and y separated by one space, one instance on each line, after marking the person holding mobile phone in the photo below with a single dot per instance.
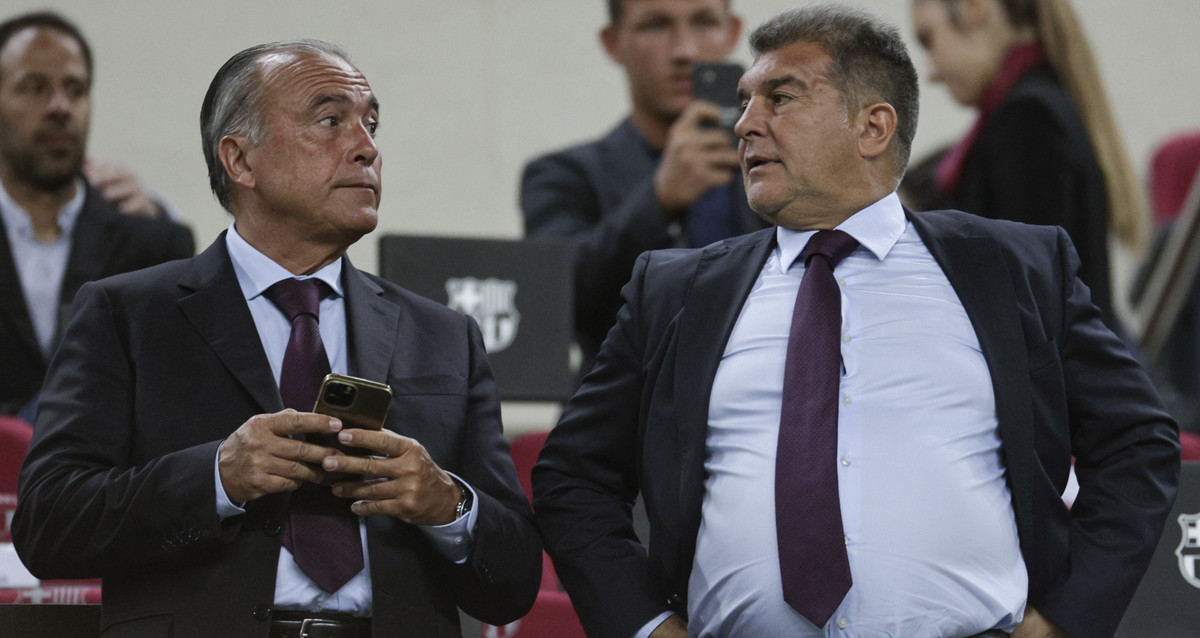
178 454
663 177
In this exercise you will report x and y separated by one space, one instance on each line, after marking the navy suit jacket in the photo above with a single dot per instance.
157 367
104 243
600 196
1064 386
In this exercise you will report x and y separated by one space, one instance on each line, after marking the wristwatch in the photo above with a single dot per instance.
464 501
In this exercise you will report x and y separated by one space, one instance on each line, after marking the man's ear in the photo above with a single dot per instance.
608 38
231 150
876 125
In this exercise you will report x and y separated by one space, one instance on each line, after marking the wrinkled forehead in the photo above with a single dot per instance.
299 77
801 62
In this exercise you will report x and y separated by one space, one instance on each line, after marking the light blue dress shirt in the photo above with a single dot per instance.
41 265
293 588
930 531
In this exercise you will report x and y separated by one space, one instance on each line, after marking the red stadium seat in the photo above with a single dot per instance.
1190 441
15 434
552 616
1172 170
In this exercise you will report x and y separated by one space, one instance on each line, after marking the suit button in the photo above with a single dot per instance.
262 611
272 527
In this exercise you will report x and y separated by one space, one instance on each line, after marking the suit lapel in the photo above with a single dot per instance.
371 322
216 307
979 275
12 299
722 282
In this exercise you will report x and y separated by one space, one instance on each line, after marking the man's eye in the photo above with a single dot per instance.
372 127
330 121
779 98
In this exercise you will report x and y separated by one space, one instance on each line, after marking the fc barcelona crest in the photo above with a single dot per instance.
1189 549
491 302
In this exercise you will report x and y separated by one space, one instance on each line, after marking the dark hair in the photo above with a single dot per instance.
46 20
869 60
232 105
616 10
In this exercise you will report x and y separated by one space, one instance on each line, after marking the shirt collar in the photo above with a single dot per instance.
877 228
256 272
18 223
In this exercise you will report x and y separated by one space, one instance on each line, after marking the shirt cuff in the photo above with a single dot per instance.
649 627
225 507
455 540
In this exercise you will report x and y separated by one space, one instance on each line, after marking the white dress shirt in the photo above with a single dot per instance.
293 588
930 531
41 265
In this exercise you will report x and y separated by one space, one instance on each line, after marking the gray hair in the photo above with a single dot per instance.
233 104
869 60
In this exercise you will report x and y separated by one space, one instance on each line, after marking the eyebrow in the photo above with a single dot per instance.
774 83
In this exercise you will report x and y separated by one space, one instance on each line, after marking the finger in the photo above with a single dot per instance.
302 451
697 112
373 490
384 442
293 470
290 422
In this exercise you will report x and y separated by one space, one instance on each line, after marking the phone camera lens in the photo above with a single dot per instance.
340 394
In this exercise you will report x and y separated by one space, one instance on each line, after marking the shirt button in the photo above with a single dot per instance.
841 282
845 461
846 338
842 623
846 399
846 539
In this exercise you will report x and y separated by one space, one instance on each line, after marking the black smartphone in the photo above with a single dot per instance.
359 403
717 82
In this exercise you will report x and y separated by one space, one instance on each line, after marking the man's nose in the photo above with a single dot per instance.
60 101
366 151
751 121
686 44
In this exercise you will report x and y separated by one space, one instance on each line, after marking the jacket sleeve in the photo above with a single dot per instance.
84 510
500 579
1126 450
585 483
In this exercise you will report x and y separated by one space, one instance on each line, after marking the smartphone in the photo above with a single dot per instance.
359 403
717 82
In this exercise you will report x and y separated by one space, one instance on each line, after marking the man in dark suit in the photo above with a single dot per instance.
964 366
165 462
660 178
57 232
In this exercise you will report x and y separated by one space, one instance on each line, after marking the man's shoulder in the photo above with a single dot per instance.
596 152
161 234
1012 236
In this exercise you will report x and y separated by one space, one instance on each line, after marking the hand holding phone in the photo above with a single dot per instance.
358 403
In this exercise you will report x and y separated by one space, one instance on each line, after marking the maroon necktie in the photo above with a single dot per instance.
808 516
321 533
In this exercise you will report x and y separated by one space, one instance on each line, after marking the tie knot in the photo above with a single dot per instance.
297 297
833 245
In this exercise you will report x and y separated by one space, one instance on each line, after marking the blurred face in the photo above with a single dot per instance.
44 108
797 148
959 55
316 173
657 41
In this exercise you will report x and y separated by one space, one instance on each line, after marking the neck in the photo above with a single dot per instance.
827 216
42 206
296 254
652 126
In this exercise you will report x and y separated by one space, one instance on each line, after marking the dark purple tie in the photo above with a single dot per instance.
808 516
322 532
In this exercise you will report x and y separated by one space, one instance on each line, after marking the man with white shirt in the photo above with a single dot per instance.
858 423
57 229
167 457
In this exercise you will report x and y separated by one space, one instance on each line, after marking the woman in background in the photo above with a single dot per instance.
1045 148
